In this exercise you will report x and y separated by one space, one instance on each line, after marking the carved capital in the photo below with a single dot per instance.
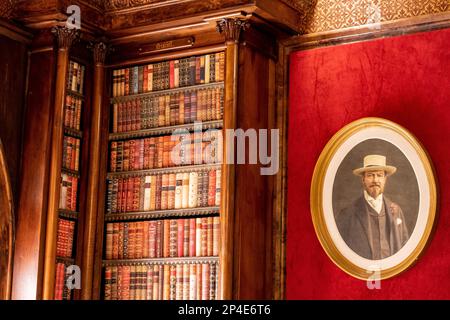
100 49
232 27
65 36
7 8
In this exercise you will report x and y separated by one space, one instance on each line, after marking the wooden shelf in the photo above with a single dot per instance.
158 131
70 172
73 132
219 84
180 169
65 260
75 94
153 261
64 213
159 214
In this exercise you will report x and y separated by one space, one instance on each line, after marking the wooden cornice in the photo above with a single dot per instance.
127 21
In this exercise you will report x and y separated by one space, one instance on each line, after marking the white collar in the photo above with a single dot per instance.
376 204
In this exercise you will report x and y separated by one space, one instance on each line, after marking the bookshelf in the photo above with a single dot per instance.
69 206
162 219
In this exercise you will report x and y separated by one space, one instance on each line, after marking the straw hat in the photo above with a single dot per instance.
375 162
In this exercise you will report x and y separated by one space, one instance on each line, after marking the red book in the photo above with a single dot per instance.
172 74
192 235
180 237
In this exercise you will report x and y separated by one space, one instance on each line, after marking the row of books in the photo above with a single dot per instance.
69 192
75 78
166 151
162 282
169 74
64 242
168 109
164 191
195 237
72 112
62 292
71 153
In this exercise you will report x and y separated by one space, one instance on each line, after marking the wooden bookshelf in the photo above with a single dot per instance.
150 94
68 214
158 171
194 71
160 214
73 132
158 131
183 260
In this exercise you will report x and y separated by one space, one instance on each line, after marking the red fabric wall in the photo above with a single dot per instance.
405 79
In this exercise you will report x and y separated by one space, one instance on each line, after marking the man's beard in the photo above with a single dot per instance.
374 190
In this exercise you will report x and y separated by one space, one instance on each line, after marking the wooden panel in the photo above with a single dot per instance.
13 63
103 168
253 196
28 257
6 228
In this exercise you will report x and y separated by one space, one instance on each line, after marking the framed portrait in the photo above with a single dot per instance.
373 199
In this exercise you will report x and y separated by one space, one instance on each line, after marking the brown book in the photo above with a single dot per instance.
107 282
120 241
209 237
109 240
171 191
192 282
179 282
164 191
173 238
173 282
166 238
149 282
205 281
185 282
166 284
152 225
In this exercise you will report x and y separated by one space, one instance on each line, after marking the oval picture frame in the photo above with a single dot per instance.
368 241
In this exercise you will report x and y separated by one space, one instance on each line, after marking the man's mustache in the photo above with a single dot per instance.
375 185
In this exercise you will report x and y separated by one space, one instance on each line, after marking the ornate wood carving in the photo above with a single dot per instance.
7 8
122 4
65 36
100 49
232 28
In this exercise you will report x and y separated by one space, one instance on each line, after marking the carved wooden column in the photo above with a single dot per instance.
92 200
65 38
231 28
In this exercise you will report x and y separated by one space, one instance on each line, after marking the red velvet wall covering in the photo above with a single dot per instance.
405 79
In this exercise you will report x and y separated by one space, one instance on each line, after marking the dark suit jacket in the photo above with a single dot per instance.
353 224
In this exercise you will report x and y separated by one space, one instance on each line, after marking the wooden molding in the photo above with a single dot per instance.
231 28
14 32
363 33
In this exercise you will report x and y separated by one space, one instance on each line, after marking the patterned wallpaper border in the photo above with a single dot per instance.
328 15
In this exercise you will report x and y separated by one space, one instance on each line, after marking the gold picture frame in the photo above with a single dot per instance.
328 189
